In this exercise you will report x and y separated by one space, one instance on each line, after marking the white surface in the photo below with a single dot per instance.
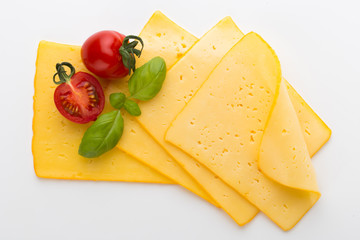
318 45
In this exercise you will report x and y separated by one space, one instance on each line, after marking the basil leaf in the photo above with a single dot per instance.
117 100
132 107
103 135
147 80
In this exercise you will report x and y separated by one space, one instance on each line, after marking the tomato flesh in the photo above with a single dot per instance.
80 100
100 54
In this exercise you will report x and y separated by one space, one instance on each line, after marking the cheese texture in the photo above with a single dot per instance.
315 131
182 81
170 42
284 156
223 125
56 140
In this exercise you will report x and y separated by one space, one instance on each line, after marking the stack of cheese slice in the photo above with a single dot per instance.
225 125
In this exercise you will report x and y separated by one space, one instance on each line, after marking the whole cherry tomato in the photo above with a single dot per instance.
79 96
110 55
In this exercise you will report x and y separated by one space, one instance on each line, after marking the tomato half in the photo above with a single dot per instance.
109 54
80 98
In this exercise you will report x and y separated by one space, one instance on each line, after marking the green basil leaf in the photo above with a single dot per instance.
117 100
132 107
103 135
147 80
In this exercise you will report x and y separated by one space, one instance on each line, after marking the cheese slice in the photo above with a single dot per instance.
315 131
222 127
56 140
182 81
162 37
284 156
167 40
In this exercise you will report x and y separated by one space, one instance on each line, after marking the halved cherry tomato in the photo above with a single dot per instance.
79 96
110 55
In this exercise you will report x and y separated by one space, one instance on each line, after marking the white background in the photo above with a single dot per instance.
318 46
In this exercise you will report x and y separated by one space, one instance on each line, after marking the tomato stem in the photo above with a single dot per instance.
128 51
61 72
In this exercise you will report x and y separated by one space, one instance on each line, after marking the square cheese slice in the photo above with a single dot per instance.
315 131
162 37
223 125
56 140
182 81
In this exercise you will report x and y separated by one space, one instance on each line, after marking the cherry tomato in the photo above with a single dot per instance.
110 55
79 96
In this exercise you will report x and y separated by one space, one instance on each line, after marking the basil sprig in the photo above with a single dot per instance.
107 130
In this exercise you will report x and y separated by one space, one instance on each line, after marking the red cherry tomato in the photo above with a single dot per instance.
109 54
79 97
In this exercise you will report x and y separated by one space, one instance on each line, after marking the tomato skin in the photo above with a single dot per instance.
100 54
81 99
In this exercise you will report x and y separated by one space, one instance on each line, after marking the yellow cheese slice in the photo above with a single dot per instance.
315 131
182 81
56 140
162 37
284 156
169 41
222 127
